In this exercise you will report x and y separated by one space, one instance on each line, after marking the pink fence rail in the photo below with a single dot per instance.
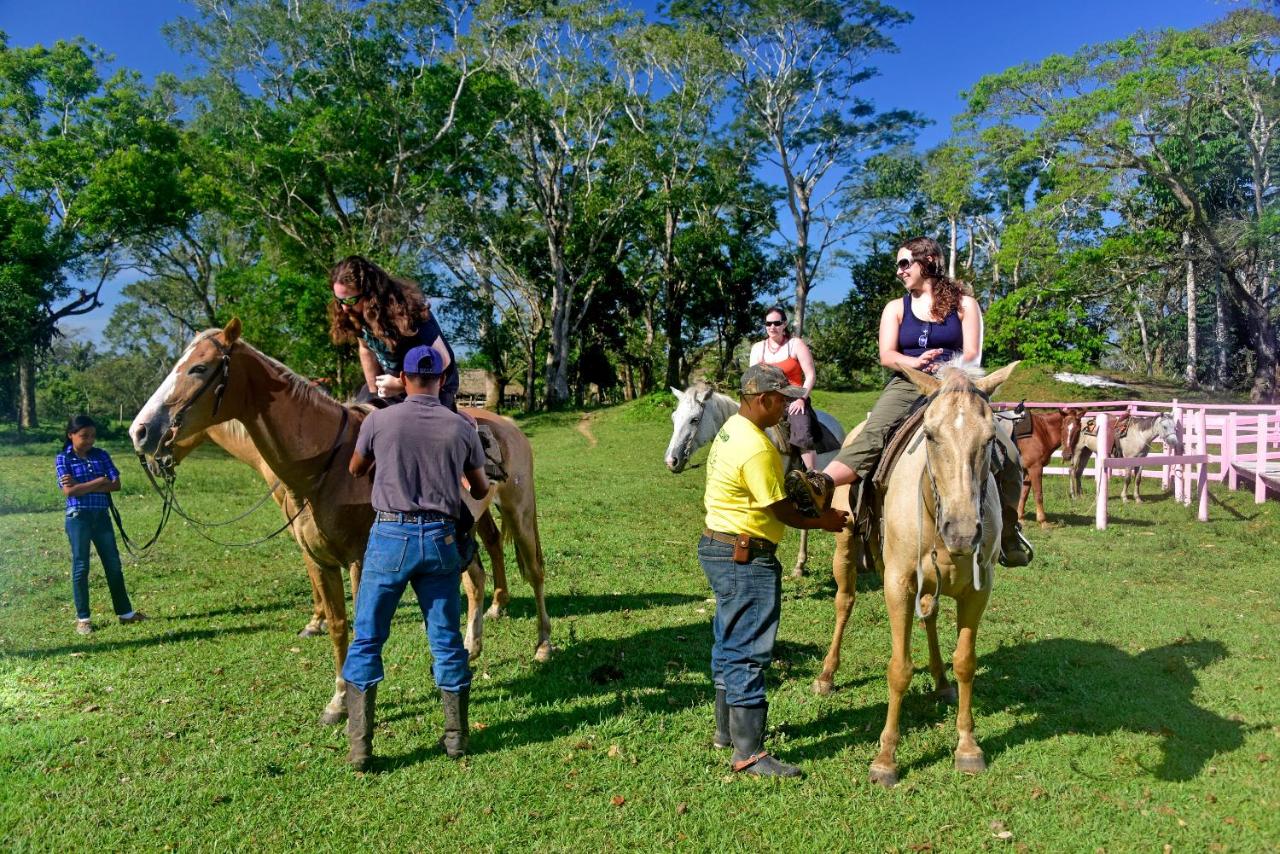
1221 442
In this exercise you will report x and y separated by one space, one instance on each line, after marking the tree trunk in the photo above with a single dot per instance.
1142 331
629 382
673 327
1221 376
1192 348
530 375
802 289
494 388
27 391
951 251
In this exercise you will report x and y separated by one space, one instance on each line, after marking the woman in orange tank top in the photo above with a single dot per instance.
791 355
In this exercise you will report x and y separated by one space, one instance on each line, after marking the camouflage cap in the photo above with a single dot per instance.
761 378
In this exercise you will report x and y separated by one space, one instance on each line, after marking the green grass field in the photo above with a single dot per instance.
1126 696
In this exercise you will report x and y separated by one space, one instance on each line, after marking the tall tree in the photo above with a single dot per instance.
97 160
1123 107
799 67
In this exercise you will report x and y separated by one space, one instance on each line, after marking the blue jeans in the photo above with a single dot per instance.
748 607
94 526
399 554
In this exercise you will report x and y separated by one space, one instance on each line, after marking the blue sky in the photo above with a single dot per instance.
947 49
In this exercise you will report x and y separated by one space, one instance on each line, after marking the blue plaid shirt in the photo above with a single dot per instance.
83 470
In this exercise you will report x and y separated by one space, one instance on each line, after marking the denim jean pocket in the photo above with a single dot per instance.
717 564
385 552
446 545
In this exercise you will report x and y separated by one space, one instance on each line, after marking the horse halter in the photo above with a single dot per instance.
218 376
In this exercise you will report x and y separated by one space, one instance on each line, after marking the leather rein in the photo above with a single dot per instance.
168 473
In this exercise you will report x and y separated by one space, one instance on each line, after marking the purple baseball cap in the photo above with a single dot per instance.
423 360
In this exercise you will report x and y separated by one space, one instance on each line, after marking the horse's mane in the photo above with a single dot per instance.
951 372
300 388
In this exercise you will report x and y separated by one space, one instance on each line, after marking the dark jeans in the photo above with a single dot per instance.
748 607
94 526
399 554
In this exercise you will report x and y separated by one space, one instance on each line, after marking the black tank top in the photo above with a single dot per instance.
916 335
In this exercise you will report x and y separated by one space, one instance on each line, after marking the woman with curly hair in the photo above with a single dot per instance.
386 317
935 321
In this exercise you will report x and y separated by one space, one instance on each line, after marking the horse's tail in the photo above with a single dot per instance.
530 557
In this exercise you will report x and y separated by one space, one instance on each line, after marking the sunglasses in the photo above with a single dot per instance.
904 263
348 300
923 340
775 323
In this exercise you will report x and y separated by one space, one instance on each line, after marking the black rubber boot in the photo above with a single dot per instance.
360 718
746 728
454 740
722 721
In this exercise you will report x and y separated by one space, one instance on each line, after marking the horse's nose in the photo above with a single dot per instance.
675 466
960 537
138 433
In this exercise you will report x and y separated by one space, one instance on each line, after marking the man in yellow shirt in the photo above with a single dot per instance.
747 514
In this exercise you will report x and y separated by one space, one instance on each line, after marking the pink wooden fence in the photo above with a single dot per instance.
1221 442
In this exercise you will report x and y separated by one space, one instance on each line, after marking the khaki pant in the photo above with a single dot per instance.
863 453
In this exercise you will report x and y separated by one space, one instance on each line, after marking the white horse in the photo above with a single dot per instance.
701 413
1136 442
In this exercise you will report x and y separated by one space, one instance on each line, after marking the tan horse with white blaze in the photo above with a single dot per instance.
941 535
306 439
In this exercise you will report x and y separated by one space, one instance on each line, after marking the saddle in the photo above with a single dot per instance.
1018 421
866 504
1120 426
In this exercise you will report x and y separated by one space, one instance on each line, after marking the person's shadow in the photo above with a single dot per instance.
1068 687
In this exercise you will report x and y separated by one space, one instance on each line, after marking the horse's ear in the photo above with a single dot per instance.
232 331
1064 410
703 397
926 383
678 393
991 382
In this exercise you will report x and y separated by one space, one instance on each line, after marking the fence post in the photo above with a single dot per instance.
1259 482
1229 451
1202 512
1175 471
1100 470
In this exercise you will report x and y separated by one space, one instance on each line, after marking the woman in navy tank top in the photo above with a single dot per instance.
935 322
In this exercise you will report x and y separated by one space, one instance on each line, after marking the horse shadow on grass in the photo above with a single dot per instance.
1070 687
592 681
86 647
571 604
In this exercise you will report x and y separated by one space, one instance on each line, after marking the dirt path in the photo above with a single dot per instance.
584 427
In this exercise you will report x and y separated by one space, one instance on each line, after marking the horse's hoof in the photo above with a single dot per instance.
310 632
973 764
823 687
947 695
495 613
1044 524
881 776
544 651
473 654
798 573
329 718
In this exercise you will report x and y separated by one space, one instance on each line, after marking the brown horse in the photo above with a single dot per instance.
232 437
1049 431
306 438
941 535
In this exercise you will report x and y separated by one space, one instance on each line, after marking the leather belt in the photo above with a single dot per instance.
757 543
412 518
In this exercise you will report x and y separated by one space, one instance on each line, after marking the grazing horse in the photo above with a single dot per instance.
306 438
1049 431
699 415
1140 432
941 522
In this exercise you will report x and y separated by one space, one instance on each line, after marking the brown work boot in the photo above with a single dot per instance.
360 715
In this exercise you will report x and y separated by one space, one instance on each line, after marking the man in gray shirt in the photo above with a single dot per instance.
422 451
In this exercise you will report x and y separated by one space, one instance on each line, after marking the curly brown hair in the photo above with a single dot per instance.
946 290
392 308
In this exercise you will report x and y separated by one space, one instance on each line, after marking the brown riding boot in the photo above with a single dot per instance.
454 740
360 714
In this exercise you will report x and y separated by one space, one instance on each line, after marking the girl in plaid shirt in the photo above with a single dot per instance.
86 475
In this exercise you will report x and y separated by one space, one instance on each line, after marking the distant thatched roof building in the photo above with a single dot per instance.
471 389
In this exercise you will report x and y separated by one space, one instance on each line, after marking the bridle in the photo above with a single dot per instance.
928 477
217 380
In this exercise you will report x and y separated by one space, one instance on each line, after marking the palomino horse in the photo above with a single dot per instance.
1049 431
317 553
306 438
1136 442
700 414
941 525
